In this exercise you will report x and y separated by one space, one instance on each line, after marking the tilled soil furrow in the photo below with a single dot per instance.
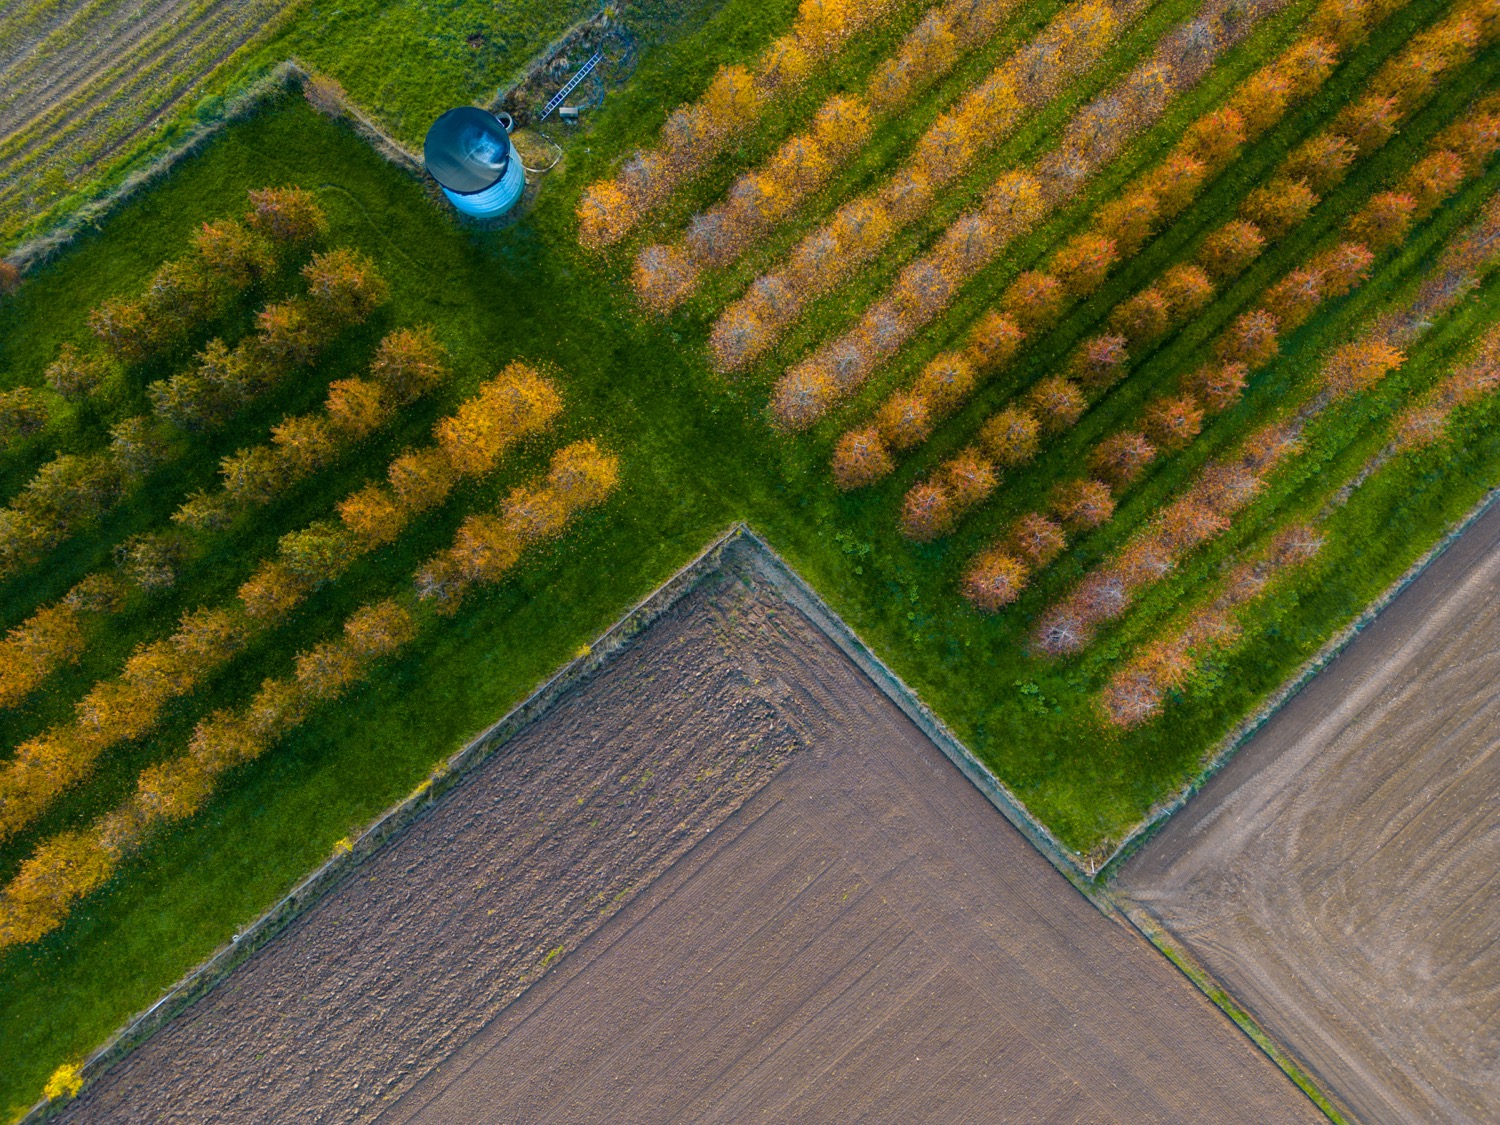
1338 876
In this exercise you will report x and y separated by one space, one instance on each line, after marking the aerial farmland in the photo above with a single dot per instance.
811 560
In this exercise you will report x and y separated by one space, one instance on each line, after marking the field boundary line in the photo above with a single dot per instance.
288 72
41 248
385 145
738 549
735 549
538 62
1249 726
1136 917
836 629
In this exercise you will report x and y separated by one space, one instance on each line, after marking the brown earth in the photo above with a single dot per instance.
756 891
1339 876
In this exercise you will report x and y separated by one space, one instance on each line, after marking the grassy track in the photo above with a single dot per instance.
697 455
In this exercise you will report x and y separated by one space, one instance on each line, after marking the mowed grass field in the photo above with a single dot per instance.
697 454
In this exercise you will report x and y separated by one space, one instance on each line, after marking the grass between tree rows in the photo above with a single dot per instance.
696 456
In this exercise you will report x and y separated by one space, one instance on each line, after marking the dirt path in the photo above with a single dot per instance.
760 894
1340 875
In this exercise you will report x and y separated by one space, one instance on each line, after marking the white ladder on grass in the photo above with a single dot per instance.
583 72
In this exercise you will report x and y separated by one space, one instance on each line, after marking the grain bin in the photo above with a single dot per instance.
468 152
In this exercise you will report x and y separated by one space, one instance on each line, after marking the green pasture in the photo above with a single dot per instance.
697 455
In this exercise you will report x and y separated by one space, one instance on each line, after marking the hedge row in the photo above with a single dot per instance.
408 363
1137 693
228 257
53 636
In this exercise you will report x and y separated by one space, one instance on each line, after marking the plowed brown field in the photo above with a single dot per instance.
726 881
82 79
1339 876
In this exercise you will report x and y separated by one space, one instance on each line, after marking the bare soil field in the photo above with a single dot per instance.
80 79
1339 876
727 880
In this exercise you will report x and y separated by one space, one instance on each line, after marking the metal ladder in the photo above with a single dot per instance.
572 83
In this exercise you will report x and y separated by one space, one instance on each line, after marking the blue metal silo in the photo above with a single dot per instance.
468 152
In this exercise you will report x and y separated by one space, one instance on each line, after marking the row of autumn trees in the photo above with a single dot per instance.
735 100
75 490
69 865
761 198
1019 200
1014 435
1117 230
1224 490
1139 690
1004 569
1074 41
226 260
468 444
408 364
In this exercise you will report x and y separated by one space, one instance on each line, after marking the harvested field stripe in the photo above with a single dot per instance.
69 131
1381 770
